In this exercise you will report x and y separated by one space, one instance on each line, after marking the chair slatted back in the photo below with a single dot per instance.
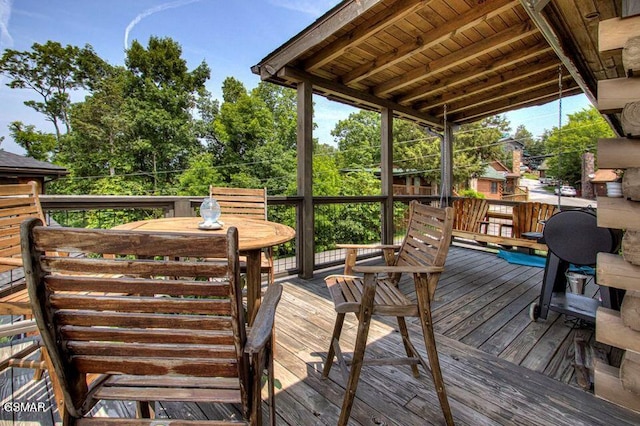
155 308
17 203
247 202
469 213
530 217
428 238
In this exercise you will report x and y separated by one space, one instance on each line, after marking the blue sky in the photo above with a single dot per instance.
230 35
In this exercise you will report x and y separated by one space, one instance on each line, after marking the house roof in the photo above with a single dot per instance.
477 58
604 175
17 165
492 174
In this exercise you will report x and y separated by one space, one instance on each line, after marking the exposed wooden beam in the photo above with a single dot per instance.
536 97
538 5
386 174
465 21
342 91
324 27
615 93
489 66
531 84
505 80
379 21
459 57
305 240
613 33
552 38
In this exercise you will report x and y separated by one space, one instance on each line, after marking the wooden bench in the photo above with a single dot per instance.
526 217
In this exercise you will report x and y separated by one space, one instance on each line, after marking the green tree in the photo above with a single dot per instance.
243 125
37 144
161 93
100 141
200 174
53 72
358 140
475 145
568 144
534 148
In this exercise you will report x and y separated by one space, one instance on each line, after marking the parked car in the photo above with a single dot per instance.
566 191
548 181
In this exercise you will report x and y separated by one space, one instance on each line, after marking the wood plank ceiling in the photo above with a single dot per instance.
476 57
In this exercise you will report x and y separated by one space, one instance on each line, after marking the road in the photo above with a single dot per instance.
538 193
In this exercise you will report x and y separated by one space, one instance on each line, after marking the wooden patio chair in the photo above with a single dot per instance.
252 204
147 315
530 217
470 214
17 203
422 253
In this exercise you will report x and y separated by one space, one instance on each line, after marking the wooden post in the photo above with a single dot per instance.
182 208
386 174
446 163
305 227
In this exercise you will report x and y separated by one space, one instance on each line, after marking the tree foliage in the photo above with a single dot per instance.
569 143
52 72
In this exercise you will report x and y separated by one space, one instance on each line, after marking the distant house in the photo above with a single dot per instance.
405 181
600 179
491 183
496 182
19 169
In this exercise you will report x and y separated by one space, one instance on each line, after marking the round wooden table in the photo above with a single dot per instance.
253 235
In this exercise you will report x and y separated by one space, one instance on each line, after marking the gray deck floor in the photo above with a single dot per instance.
498 366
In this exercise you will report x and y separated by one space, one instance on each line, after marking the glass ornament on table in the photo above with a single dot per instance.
210 211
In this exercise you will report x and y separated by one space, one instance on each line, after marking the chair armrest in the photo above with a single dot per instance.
263 324
369 246
398 269
11 261
18 327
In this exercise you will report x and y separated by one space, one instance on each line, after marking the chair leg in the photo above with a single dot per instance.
402 325
424 306
337 330
271 386
364 321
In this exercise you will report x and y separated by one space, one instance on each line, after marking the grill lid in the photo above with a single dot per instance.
574 236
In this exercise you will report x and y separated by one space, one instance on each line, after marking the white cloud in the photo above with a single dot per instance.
5 13
311 7
151 11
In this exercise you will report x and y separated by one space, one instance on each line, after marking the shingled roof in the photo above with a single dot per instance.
14 165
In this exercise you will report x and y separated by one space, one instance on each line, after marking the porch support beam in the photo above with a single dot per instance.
337 91
386 169
305 244
446 165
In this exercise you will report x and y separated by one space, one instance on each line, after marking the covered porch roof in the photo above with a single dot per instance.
479 58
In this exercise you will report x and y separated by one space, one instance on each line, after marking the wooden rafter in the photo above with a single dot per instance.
545 80
531 98
327 25
465 21
459 57
381 20
500 81
344 92
489 66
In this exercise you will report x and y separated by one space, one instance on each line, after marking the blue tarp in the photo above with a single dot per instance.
538 261
522 258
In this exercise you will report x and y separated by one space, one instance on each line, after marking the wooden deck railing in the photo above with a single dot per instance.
338 219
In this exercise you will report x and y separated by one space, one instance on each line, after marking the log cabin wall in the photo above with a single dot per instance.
621 329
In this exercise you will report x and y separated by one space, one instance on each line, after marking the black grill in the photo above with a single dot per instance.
573 237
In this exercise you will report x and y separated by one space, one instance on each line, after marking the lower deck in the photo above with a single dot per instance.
499 367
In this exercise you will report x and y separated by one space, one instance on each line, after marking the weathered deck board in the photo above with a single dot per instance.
488 347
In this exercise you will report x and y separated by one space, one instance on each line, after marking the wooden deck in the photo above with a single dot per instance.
499 367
